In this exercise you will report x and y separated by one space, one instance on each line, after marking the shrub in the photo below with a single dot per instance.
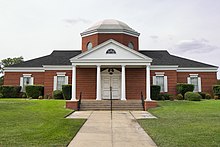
1 95
179 97
208 96
183 88
164 96
10 91
34 91
155 91
203 94
193 96
57 94
67 91
216 89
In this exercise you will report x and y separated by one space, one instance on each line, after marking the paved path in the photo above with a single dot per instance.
100 131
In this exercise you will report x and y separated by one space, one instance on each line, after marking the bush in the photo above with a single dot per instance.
164 96
67 91
57 94
183 88
10 91
1 95
208 96
179 97
34 91
216 90
155 91
192 96
203 94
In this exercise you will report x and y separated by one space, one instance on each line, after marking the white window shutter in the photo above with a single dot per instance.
165 84
154 80
21 83
188 80
55 83
32 81
199 84
66 79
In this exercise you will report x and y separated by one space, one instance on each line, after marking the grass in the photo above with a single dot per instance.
185 123
36 123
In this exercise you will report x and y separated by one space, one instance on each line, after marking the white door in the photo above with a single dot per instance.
115 82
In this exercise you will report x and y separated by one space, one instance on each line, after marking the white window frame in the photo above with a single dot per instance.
199 81
165 82
59 74
22 81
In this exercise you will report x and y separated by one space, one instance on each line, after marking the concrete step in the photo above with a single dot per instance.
106 105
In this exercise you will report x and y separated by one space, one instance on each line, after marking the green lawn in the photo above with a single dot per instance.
36 123
185 123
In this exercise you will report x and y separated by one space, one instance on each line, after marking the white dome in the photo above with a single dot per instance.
110 26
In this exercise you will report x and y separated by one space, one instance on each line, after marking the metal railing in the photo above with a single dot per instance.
79 102
142 99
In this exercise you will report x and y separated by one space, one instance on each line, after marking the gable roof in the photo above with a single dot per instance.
57 57
160 57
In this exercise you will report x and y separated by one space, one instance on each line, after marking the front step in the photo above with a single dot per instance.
106 105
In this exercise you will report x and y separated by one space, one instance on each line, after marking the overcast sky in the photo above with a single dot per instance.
34 28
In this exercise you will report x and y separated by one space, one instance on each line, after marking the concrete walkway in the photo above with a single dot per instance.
100 131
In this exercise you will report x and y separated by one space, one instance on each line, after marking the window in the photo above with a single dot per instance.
131 45
196 81
161 80
110 51
89 45
25 80
59 80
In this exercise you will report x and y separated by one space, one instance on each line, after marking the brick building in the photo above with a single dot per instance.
111 46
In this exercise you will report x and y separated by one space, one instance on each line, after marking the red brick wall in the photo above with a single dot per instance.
208 79
135 83
49 79
13 78
171 79
97 39
86 83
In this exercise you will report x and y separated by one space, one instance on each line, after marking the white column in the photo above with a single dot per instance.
98 83
148 83
123 87
73 83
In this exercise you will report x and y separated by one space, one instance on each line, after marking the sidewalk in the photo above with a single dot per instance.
100 131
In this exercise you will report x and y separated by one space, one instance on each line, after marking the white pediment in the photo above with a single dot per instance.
111 50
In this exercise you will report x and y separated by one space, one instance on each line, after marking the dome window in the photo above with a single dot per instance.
110 51
131 45
89 46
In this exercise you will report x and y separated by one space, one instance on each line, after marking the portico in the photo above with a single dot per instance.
119 60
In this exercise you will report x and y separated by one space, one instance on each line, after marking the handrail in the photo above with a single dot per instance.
142 100
79 102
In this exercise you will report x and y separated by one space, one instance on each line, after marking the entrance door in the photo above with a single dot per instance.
114 81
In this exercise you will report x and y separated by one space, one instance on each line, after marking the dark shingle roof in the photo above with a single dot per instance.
57 57
162 57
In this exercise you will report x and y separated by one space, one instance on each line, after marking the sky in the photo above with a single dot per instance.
34 28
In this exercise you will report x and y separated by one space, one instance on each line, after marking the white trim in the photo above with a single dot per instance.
24 69
73 83
154 80
66 80
109 63
199 84
148 97
61 73
21 83
32 81
54 83
164 67
76 58
98 82
165 84
196 69
123 83
188 80
85 34
27 75
57 67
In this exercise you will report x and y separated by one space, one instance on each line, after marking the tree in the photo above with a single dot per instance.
8 62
